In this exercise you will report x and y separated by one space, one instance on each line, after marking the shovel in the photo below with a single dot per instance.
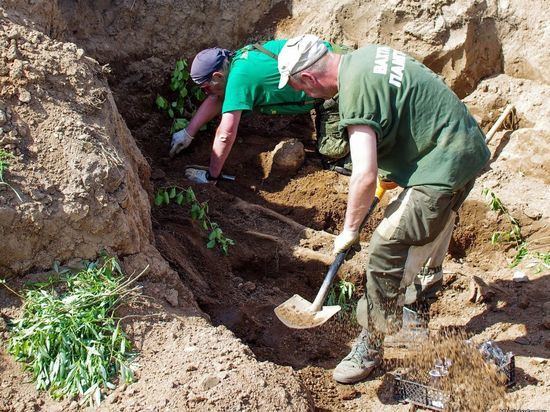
298 313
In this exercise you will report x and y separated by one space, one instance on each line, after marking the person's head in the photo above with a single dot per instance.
306 64
209 70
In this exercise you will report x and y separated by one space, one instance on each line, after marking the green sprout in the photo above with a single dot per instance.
513 235
199 212
342 294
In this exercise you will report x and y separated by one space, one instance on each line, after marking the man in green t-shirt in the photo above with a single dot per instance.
407 126
245 81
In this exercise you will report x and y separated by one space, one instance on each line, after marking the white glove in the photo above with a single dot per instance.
345 240
180 140
199 175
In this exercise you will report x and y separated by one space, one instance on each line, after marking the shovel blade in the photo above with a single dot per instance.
297 313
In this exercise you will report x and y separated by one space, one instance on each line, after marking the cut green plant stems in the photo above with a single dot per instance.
199 212
186 100
68 336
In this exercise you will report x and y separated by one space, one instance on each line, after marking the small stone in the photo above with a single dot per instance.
171 296
522 340
24 96
209 381
546 322
520 276
532 213
546 308
3 117
347 393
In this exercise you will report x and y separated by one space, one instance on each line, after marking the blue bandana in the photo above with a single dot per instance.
207 62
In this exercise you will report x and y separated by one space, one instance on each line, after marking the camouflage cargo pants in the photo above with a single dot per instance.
405 255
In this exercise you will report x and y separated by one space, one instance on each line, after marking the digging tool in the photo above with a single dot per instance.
221 177
297 312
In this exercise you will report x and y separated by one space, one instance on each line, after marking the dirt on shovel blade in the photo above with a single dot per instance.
296 317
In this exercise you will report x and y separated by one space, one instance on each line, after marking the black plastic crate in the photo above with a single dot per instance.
433 398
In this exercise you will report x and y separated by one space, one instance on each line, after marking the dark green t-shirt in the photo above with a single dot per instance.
425 134
253 83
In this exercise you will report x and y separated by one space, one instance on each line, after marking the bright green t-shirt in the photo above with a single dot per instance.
253 83
425 134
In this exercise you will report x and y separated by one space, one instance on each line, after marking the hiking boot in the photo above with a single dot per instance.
413 332
358 364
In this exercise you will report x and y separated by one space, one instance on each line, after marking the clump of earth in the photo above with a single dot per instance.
77 90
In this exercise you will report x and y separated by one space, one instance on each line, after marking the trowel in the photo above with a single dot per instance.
299 313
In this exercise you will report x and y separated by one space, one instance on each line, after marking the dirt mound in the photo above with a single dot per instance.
77 170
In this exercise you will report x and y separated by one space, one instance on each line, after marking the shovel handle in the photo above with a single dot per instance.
340 257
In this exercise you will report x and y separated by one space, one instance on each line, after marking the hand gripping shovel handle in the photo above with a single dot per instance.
340 257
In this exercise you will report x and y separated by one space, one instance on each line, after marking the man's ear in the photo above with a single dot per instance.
308 78
217 76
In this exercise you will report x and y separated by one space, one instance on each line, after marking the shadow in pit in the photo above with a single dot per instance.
240 291
248 310
519 308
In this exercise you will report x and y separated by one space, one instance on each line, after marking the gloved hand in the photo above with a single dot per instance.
180 140
199 175
345 240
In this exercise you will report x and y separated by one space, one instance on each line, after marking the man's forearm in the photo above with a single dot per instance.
362 184
360 197
209 108
226 135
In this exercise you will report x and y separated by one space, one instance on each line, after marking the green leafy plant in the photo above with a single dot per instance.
186 100
542 261
342 294
5 157
68 336
199 212
513 235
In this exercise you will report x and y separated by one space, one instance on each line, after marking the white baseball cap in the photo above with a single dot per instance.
298 54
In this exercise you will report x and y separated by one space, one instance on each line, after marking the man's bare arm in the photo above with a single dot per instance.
209 108
362 183
223 142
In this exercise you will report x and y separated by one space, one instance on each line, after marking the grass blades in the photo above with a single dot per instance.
68 336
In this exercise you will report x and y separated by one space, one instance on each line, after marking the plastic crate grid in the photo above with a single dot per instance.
432 398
